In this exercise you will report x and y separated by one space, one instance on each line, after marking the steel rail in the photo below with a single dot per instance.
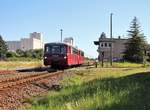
8 83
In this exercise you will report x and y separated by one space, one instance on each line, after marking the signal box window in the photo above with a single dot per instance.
105 44
109 44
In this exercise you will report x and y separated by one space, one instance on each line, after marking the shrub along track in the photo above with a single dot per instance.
17 90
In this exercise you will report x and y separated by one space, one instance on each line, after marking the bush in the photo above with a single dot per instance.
10 54
29 54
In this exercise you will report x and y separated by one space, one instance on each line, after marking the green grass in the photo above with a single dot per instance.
9 65
100 89
127 64
124 64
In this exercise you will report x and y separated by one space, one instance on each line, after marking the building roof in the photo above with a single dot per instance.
107 40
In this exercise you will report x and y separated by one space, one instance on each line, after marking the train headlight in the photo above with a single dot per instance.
65 57
45 57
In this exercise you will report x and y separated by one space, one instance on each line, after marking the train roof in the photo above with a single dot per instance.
51 43
61 43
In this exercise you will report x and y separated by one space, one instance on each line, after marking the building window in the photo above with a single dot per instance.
109 44
105 44
101 44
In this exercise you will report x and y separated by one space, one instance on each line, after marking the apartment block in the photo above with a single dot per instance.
35 41
13 45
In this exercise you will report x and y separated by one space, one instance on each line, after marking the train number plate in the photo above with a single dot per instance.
55 55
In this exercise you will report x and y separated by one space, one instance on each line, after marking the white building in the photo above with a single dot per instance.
68 40
35 41
13 45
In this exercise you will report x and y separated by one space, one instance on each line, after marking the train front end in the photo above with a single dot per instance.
55 54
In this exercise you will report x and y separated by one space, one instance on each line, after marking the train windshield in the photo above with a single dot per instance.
55 49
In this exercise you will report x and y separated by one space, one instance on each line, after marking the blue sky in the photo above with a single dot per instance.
84 20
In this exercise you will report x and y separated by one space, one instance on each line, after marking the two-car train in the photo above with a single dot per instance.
62 55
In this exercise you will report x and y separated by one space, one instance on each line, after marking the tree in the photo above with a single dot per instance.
3 47
10 54
20 53
136 43
38 53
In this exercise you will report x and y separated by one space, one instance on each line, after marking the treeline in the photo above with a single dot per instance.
35 54
18 54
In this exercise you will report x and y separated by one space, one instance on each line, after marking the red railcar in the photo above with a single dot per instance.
62 55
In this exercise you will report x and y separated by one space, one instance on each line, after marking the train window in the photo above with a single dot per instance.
55 49
63 50
69 49
82 53
47 49
75 51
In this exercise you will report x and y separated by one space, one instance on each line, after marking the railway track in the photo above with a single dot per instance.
3 72
14 80
19 80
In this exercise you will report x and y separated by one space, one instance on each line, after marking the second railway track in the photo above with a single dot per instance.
18 80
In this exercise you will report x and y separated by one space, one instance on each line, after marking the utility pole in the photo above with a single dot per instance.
111 48
61 34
